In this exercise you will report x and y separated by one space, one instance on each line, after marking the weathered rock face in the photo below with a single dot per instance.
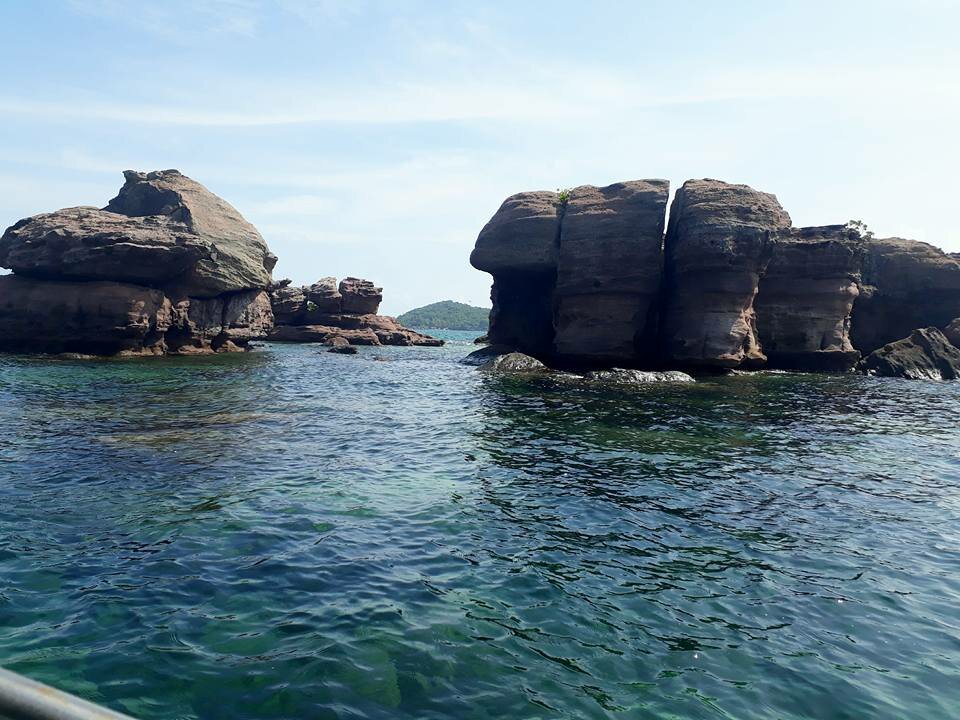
107 318
360 297
163 230
324 297
519 246
906 284
325 311
925 355
166 267
804 300
717 246
608 272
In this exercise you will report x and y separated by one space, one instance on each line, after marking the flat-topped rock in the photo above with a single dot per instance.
359 297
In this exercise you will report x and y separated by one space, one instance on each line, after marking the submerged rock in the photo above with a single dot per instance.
514 362
805 299
717 246
638 377
925 355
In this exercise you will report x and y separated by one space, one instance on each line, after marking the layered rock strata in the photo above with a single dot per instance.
805 299
717 246
165 267
907 284
325 311
587 278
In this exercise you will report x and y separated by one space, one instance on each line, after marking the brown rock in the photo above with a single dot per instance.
906 284
163 230
717 246
322 333
360 297
805 299
324 296
608 277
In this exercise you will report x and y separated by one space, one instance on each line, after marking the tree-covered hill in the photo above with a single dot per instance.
447 315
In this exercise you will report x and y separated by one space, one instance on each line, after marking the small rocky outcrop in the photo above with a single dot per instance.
165 267
926 354
717 247
326 310
907 284
514 362
805 299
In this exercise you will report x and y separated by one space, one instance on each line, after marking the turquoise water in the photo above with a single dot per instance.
295 534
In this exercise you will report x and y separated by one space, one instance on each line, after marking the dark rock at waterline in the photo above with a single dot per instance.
608 272
717 246
925 355
907 284
108 318
484 354
482 340
347 349
162 230
514 362
804 300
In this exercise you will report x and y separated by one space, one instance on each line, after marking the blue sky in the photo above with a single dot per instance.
376 138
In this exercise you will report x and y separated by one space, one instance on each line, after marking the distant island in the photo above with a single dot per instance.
447 315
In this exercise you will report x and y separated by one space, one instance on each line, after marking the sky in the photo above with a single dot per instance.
375 139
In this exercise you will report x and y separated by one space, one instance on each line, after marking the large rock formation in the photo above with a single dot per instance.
717 246
608 272
906 285
576 275
587 278
324 311
166 266
925 355
805 298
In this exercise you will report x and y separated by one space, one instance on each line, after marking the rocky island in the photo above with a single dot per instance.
167 267
593 278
